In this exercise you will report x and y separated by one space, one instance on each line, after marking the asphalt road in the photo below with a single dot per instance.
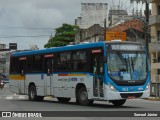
12 102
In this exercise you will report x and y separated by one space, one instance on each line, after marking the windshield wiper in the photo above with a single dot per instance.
124 60
132 64
130 68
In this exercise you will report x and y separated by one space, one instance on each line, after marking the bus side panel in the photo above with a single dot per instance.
57 86
14 86
65 84
111 95
17 83
37 80
88 81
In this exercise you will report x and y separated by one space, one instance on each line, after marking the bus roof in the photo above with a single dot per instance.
70 47
59 49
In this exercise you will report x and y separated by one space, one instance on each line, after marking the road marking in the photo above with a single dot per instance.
22 97
12 97
9 97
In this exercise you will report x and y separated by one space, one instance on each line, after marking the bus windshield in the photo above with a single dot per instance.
125 66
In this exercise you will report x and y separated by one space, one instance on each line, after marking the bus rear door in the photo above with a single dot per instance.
22 71
49 62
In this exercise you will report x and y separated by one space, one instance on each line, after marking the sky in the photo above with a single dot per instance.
28 22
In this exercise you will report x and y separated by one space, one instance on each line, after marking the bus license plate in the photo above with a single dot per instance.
131 97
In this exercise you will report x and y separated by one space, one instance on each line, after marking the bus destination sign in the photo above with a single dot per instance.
126 47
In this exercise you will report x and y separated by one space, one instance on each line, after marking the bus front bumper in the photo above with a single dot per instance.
115 95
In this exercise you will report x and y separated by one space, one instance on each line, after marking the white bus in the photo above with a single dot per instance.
108 71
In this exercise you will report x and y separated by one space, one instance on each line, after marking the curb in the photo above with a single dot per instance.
153 99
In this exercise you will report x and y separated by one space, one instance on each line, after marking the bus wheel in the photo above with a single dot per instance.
83 97
32 93
118 102
63 100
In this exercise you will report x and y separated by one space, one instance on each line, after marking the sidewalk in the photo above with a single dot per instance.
153 99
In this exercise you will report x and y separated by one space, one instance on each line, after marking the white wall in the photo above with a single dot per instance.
93 13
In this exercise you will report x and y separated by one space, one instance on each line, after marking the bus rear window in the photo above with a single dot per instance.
13 65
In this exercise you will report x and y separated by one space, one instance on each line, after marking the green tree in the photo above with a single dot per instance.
63 36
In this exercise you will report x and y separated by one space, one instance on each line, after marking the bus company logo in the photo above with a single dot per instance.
6 114
73 79
82 79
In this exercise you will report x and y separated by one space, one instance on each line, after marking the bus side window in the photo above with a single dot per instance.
35 63
64 61
101 65
98 64
13 65
29 64
22 67
79 61
95 66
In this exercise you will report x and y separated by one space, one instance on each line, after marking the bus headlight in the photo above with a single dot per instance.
112 88
147 87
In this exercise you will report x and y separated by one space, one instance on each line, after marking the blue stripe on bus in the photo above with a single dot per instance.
59 49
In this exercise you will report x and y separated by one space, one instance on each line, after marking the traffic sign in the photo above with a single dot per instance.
115 35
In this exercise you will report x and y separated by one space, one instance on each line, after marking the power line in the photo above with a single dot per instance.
36 28
24 36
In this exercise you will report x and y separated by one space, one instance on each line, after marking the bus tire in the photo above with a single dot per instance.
118 102
82 97
32 93
63 100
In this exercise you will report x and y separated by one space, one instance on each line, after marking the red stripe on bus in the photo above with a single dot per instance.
62 74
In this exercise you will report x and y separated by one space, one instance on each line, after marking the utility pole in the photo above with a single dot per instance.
147 26
105 26
147 34
146 21
156 89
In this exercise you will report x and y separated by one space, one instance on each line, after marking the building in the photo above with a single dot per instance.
2 46
94 19
134 30
33 47
154 47
117 15
92 13
94 33
4 59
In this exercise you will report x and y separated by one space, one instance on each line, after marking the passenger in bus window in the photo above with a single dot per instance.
95 66
101 65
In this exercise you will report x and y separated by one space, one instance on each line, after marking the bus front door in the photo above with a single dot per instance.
97 62
49 80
